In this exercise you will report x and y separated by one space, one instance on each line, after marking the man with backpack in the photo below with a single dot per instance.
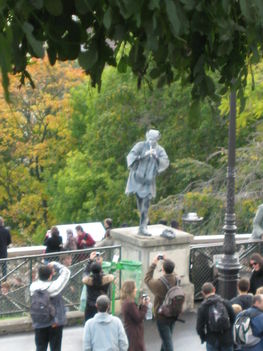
248 327
215 319
47 306
159 288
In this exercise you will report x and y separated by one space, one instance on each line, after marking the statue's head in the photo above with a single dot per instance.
152 136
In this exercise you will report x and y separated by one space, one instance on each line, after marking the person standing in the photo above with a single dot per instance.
145 161
5 240
54 242
104 331
51 332
165 325
256 279
256 322
84 240
133 316
215 319
97 283
244 299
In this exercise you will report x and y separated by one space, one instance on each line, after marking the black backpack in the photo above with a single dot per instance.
218 318
41 309
172 305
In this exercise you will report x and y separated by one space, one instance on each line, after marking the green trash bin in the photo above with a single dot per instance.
131 270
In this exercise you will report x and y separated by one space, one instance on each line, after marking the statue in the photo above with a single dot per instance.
145 161
258 224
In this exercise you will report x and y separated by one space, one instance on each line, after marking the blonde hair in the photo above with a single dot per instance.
259 291
127 289
237 308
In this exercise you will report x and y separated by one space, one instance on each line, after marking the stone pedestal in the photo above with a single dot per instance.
144 249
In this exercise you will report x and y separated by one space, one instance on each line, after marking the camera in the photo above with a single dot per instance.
97 254
144 296
160 257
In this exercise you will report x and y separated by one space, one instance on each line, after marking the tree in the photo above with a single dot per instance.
160 39
34 137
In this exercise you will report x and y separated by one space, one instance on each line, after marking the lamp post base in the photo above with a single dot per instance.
228 275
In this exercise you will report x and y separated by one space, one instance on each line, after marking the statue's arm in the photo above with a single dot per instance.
135 154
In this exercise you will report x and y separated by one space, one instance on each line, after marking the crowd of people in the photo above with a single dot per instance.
241 318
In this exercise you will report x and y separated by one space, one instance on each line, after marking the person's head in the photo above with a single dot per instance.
168 266
174 224
2 222
103 303
128 290
54 231
69 233
152 136
163 222
66 260
96 271
5 288
259 291
45 273
256 261
208 289
237 308
258 301
79 229
243 286
108 223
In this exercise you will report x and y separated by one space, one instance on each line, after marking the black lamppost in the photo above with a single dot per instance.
229 266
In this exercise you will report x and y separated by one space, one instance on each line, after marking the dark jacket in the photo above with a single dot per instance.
202 325
53 244
133 323
5 240
257 330
245 301
256 281
158 288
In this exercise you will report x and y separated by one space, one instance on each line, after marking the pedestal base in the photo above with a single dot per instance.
145 249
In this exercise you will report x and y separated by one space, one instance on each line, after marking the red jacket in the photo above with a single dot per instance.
88 239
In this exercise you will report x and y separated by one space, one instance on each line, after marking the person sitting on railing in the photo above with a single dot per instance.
71 243
53 243
107 240
97 283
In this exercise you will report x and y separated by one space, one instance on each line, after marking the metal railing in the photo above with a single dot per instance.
204 259
19 272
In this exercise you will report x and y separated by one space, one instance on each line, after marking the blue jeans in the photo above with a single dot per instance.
165 330
217 347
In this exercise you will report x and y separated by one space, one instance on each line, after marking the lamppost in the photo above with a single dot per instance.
229 266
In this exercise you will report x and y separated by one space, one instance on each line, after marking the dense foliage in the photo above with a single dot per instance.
163 39
63 150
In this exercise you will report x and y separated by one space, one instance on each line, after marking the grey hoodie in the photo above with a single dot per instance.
54 289
104 332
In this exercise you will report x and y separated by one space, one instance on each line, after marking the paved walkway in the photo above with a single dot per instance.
185 338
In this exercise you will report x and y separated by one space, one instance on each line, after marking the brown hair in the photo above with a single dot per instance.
127 289
208 288
243 285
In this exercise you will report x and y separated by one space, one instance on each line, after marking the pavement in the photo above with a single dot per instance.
185 338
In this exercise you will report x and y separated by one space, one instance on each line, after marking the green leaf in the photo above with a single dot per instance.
38 4
54 7
107 18
88 58
36 45
122 65
172 14
154 4
245 9
189 4
82 6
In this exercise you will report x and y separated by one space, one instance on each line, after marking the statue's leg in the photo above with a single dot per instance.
144 209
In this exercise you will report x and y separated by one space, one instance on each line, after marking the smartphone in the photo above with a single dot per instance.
160 257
